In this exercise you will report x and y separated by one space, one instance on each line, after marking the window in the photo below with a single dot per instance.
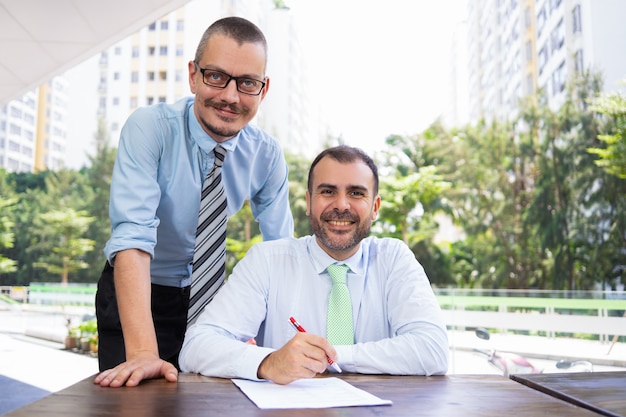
164 25
150 100
576 19
150 75
116 101
135 52
152 26
542 58
557 37
151 50
15 112
180 25
541 20
118 50
578 61
134 77
162 75
554 4
558 79
530 89
116 76
180 50
527 18
162 99
163 50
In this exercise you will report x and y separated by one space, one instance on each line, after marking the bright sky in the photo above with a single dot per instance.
377 68
381 67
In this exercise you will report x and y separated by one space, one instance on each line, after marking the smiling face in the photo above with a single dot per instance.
341 205
223 112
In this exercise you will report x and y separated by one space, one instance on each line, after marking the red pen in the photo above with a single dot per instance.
301 330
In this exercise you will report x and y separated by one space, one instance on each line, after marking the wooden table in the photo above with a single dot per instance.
602 392
194 395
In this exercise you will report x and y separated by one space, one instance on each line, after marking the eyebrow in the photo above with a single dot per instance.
251 76
349 187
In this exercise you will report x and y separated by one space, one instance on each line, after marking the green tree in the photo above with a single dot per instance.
612 157
98 179
7 236
68 247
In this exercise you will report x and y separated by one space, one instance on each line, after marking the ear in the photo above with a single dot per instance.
193 70
375 207
308 203
266 88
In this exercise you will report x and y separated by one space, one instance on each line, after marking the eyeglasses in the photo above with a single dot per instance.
218 79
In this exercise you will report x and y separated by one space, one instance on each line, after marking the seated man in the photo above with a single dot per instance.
393 323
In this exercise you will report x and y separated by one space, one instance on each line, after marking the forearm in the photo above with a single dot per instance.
133 292
422 351
228 358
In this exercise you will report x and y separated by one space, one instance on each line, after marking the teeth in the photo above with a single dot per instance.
338 223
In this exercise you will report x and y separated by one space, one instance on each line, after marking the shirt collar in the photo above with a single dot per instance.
321 259
202 139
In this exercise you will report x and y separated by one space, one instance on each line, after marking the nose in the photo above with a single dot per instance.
230 93
342 203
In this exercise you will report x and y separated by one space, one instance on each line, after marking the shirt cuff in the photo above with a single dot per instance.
250 361
345 357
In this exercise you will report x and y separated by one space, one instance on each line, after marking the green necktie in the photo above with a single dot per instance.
339 328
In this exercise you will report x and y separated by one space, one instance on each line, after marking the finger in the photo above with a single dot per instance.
169 371
133 379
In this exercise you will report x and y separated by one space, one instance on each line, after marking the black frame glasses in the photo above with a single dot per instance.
224 79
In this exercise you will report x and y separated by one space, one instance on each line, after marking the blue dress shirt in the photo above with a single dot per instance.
162 159
398 324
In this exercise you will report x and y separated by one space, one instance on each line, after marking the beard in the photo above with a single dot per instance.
347 240
224 131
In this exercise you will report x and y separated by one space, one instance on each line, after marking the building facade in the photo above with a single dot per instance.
33 129
518 47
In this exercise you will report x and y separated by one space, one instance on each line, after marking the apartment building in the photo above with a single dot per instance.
33 129
516 47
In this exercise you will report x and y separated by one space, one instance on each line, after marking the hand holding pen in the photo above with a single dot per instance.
301 330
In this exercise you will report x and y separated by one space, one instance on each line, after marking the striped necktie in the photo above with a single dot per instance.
339 327
209 259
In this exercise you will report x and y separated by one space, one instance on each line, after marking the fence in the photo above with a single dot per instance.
549 313
545 313
62 294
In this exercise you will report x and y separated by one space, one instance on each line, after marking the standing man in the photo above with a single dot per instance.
365 302
168 156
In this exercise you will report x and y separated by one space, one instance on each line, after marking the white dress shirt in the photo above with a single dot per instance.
398 324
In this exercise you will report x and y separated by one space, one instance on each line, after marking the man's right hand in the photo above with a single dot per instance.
144 365
304 356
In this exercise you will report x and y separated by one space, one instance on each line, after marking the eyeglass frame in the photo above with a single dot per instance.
230 78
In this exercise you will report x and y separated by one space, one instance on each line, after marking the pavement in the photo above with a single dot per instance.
34 363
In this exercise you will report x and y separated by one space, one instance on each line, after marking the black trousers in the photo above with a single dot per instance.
169 314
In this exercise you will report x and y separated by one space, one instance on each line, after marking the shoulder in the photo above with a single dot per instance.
254 138
160 111
288 246
384 246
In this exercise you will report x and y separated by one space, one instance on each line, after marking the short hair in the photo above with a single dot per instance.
344 154
236 28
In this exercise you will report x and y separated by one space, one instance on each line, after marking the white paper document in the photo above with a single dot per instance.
307 393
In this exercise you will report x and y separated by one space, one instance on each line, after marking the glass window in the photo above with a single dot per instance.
576 19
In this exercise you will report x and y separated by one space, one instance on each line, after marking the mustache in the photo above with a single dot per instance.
218 105
335 215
